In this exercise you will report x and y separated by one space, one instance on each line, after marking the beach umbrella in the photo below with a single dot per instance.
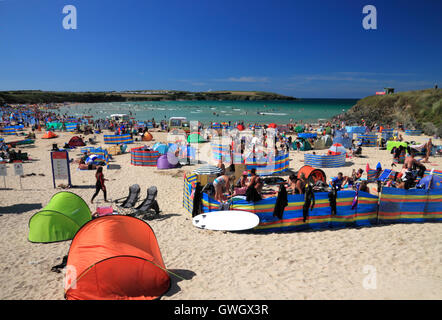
207 170
240 127
272 125
337 148
430 182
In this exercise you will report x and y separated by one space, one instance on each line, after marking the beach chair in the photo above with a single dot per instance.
148 205
386 174
126 205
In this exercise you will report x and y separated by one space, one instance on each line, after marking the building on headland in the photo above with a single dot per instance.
386 91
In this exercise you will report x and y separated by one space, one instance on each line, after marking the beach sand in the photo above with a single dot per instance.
221 265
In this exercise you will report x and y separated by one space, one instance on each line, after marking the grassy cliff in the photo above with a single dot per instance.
37 96
421 109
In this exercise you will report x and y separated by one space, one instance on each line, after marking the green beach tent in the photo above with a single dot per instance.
306 146
65 213
54 126
397 144
299 129
195 138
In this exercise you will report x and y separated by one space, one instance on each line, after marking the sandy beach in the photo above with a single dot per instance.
223 265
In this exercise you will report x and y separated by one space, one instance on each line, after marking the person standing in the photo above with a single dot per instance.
99 185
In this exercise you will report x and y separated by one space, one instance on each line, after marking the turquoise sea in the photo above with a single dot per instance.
262 112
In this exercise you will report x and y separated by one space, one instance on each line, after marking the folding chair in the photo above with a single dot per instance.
126 205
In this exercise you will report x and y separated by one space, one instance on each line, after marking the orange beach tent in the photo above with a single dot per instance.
147 136
49 135
312 174
115 257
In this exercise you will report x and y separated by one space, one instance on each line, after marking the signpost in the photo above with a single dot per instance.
60 166
18 171
3 172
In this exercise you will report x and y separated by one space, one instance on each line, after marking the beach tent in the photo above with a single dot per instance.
114 150
312 174
54 125
327 140
272 125
299 129
60 219
49 135
163 162
160 148
76 142
240 127
319 144
147 136
116 257
430 182
195 138
336 148
397 144
306 146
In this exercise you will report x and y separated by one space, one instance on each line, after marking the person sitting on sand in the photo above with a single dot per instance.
291 181
301 183
242 182
222 184
255 181
339 181
410 162
364 187
295 185
357 175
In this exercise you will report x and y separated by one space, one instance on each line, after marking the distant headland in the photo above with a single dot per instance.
38 96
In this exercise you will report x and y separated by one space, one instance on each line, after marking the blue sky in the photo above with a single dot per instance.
316 49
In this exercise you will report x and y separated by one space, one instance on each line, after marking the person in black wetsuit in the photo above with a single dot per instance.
99 184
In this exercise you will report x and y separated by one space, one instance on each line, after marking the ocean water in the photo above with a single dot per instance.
262 112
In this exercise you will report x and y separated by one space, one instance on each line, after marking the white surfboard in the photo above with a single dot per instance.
233 220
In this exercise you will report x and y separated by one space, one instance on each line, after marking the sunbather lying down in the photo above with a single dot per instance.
83 166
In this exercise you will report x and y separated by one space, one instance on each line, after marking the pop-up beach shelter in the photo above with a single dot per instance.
115 257
312 174
49 135
62 217
195 138
76 141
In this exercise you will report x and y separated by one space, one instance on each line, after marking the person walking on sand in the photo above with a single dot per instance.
99 184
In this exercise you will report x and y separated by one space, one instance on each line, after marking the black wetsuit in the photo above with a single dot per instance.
309 201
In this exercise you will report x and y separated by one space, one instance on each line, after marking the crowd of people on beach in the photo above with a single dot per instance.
250 184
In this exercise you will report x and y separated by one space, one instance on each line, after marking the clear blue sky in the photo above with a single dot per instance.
301 48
